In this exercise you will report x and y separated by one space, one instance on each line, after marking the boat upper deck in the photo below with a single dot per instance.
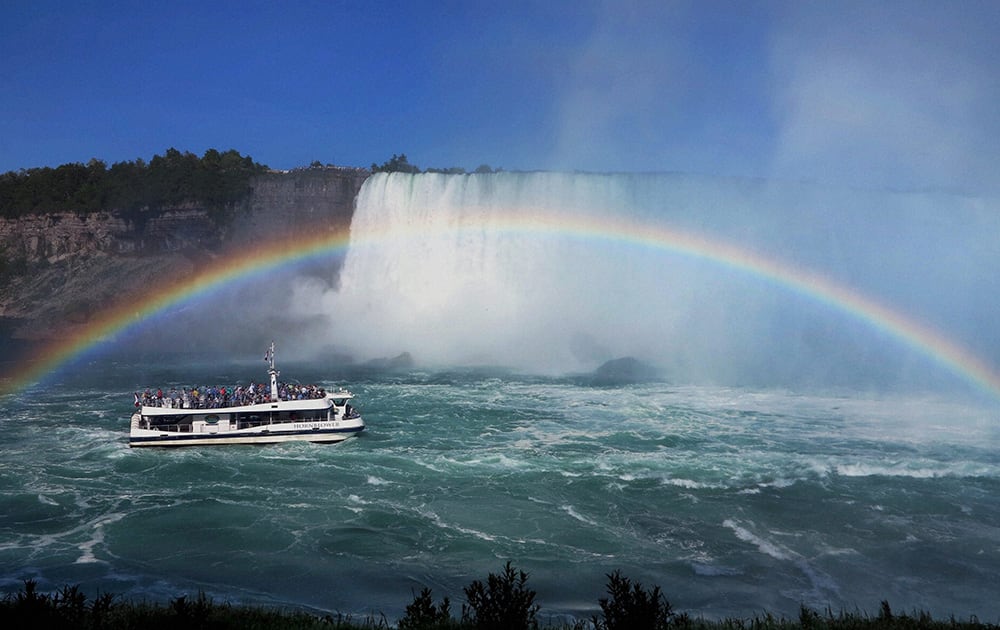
277 406
253 397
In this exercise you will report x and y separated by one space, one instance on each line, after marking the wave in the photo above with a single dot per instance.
725 494
822 585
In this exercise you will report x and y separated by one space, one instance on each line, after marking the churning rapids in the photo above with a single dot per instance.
798 452
733 500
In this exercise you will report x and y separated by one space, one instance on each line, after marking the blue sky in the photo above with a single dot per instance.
887 94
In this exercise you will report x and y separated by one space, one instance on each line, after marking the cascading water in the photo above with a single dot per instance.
559 272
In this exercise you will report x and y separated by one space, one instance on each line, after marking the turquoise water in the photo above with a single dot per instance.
734 501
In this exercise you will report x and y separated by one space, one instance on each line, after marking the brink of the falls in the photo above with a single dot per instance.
707 278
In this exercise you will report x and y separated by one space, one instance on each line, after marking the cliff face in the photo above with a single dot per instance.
61 269
287 203
54 238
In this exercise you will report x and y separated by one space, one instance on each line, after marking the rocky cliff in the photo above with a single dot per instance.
60 270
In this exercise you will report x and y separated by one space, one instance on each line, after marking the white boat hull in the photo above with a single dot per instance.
324 420
324 432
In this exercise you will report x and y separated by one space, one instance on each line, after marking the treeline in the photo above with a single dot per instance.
400 164
216 180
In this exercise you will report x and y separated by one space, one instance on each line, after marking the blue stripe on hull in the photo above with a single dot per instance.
269 437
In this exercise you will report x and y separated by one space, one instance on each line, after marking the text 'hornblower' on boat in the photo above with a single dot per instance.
251 414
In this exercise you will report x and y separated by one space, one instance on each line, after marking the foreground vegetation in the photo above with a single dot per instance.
503 602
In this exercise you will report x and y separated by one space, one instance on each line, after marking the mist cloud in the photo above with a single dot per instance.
615 104
900 95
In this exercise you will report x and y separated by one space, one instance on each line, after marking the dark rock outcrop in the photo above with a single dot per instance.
402 361
624 371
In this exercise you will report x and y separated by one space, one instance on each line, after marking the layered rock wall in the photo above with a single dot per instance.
52 238
279 203
60 270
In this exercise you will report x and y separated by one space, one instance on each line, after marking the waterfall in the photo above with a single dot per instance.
561 271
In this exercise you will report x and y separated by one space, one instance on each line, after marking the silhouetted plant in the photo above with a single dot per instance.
504 602
423 614
192 614
71 605
30 604
885 612
100 609
630 607
499 600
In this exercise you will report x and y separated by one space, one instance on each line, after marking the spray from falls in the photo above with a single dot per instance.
557 272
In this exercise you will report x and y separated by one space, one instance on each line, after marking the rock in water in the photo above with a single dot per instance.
625 370
400 362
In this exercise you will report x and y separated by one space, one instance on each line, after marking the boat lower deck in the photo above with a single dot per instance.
322 432
334 425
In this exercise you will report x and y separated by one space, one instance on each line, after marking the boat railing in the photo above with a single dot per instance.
212 398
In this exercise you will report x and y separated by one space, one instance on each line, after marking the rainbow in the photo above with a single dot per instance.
290 251
122 317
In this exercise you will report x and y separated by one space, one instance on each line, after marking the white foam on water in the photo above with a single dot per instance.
690 484
569 509
97 537
822 583
709 570
764 546
439 522
353 498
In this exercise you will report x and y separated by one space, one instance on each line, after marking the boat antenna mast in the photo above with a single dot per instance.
269 357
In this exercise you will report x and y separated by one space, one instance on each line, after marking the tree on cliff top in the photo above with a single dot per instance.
398 164
216 180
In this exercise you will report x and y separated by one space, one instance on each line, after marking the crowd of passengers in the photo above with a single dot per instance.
215 397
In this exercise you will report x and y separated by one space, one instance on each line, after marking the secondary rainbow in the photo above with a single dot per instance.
289 251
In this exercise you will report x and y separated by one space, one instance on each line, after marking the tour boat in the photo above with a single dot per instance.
254 414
